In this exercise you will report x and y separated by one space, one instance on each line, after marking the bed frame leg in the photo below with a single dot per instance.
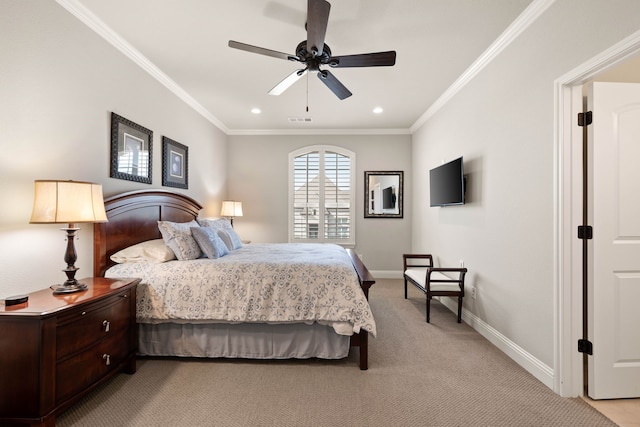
364 350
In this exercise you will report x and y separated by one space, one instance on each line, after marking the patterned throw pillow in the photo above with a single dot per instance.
177 235
230 238
215 223
225 231
209 242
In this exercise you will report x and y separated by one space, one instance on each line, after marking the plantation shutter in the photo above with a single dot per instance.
306 199
337 196
321 195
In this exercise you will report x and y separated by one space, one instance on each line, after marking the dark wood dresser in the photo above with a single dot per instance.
55 348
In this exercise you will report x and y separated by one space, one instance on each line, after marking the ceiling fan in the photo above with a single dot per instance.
313 53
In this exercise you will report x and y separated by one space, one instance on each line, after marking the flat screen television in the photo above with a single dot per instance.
446 184
388 198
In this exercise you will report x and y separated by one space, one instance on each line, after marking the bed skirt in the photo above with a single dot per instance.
244 340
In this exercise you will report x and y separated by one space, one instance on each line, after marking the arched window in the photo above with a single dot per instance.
322 195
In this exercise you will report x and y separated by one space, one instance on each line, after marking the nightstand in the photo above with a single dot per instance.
55 348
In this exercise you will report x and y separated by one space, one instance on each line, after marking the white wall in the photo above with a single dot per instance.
502 123
258 176
59 83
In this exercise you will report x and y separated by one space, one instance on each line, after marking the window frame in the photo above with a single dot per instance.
322 150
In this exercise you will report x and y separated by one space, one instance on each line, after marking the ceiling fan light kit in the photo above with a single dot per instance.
314 53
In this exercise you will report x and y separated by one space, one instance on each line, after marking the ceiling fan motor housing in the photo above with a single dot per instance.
313 62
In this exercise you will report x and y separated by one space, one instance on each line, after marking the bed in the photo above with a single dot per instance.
213 330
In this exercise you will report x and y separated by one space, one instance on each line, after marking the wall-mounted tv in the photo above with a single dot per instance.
446 184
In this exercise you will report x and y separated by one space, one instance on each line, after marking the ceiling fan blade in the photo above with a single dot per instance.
376 59
287 82
317 19
334 84
261 50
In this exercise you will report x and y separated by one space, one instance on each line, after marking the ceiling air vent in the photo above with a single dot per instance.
300 120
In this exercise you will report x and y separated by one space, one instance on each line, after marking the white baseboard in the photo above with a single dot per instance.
531 364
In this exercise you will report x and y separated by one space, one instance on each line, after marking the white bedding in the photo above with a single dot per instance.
259 283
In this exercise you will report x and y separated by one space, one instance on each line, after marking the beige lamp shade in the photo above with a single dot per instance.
67 202
231 208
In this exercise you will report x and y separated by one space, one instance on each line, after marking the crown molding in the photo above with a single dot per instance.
103 30
256 132
517 27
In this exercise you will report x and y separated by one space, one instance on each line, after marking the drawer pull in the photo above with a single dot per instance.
83 313
106 325
107 359
125 295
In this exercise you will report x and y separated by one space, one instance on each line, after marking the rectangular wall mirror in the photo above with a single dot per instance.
383 194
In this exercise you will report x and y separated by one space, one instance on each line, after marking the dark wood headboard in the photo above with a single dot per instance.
133 218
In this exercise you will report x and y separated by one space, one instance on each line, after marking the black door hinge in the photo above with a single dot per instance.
585 346
585 119
585 232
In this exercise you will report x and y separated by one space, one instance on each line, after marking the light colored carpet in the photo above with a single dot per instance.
438 374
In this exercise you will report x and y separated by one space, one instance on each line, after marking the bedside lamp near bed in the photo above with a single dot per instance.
231 209
72 202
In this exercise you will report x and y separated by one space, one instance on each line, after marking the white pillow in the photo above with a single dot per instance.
149 251
177 235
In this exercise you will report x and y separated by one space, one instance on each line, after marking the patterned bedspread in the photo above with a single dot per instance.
268 283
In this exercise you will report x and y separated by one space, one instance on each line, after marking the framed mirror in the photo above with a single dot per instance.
383 194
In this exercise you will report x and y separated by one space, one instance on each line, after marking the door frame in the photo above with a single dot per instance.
568 378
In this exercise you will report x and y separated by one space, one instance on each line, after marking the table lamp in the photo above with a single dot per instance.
231 209
72 202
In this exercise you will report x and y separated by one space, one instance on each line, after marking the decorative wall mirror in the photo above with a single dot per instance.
383 194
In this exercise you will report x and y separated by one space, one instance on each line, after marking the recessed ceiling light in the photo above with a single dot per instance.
378 110
256 110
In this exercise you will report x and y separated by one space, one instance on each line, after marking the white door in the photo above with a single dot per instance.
614 272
